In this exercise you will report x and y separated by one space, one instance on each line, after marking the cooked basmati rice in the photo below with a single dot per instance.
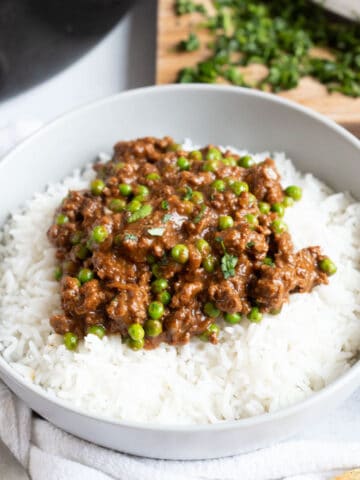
255 368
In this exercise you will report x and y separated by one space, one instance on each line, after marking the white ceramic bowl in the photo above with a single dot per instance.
223 115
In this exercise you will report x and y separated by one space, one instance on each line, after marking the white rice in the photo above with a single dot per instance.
255 368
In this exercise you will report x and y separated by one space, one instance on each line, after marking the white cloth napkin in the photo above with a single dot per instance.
50 454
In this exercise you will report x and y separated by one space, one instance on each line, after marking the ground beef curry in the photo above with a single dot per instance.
167 244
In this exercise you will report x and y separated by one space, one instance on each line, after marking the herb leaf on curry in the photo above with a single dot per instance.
228 264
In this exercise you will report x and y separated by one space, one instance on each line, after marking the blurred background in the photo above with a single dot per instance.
58 54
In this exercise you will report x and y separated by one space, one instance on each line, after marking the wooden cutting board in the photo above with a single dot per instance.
172 29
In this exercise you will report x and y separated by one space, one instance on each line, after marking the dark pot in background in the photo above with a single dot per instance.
38 38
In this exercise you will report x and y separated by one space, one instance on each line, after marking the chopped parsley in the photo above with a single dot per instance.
190 44
200 215
188 193
283 36
228 264
188 6
143 212
165 205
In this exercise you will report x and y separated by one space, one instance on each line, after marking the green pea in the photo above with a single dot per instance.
268 261
180 253
76 238
174 147
164 297
213 154
117 205
159 285
251 199
97 330
136 331
61 219
288 202
229 161
209 263
97 186
327 266
119 165
142 212
138 198
218 185
225 221
197 197
239 187
99 234
196 155
210 165
125 189
278 208
142 191
212 329
156 310
278 226
232 317
153 176
58 273
210 310
133 206
183 163
203 246
246 162
81 251
264 207
294 192
71 340
85 275
252 220
255 315
153 328
135 344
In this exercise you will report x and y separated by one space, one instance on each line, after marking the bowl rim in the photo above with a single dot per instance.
352 375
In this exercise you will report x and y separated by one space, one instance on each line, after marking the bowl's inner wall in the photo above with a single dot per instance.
229 116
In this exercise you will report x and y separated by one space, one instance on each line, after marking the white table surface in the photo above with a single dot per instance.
126 59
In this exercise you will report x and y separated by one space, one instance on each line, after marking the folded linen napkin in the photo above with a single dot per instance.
49 453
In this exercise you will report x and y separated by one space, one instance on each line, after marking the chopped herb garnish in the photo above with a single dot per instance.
280 35
188 6
250 244
228 264
188 193
156 232
190 44
130 237
200 215
165 205
143 212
